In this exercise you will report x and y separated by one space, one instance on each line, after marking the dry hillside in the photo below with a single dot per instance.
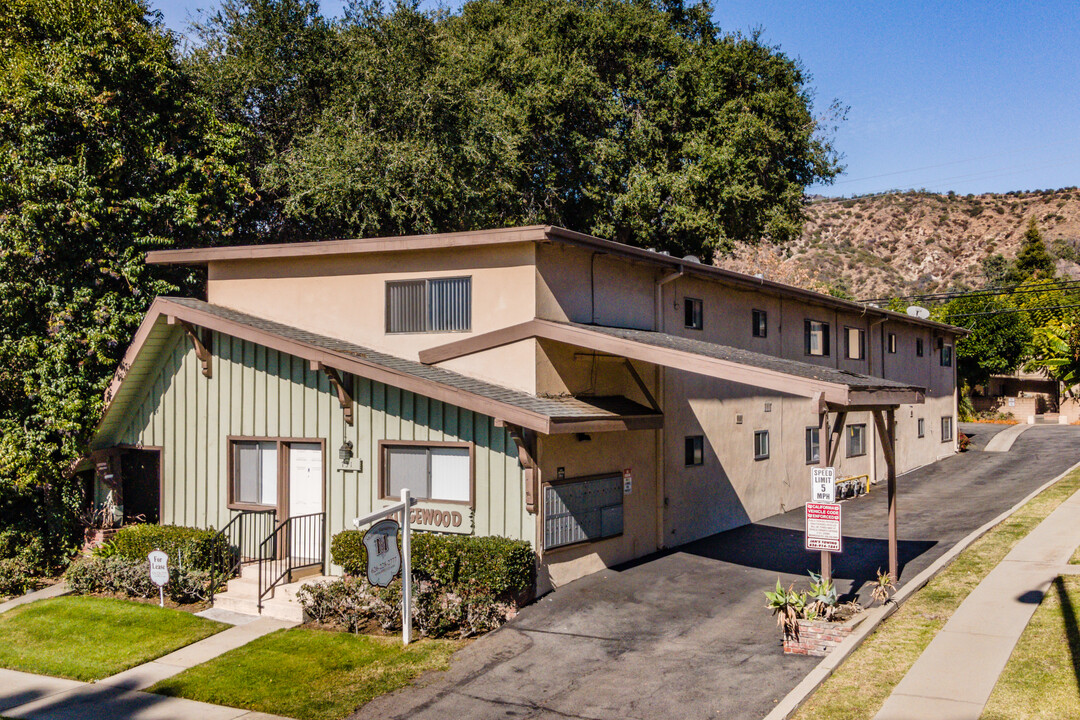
903 243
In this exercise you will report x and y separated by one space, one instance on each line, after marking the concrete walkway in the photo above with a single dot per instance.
37 697
52 591
954 676
1003 441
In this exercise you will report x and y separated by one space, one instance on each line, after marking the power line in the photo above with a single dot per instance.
1009 311
990 291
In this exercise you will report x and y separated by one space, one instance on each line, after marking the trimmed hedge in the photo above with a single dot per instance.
501 566
120 575
188 548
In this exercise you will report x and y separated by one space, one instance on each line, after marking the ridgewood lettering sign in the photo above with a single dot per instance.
435 518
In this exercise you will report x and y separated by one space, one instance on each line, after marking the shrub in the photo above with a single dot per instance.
22 559
188 548
463 585
123 576
501 566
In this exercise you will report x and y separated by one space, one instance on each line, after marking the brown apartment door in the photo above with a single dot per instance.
140 472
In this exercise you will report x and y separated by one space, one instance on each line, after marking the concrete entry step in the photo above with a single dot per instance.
242 596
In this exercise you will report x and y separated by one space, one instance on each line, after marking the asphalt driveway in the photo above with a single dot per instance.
685 633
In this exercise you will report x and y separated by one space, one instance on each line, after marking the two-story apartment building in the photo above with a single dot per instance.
597 400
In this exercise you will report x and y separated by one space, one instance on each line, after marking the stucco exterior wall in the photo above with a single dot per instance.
344 297
259 392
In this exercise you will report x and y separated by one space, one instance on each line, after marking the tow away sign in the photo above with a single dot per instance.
823 527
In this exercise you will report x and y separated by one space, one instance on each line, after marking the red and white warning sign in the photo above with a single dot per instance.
823 526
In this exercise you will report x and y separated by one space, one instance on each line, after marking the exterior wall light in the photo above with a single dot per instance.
345 452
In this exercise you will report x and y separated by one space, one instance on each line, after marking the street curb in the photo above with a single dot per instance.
801 692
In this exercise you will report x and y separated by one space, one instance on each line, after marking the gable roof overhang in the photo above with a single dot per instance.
533 234
514 407
833 387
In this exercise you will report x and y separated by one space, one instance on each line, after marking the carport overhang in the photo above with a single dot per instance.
832 390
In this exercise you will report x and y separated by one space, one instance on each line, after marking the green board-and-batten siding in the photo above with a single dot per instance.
258 391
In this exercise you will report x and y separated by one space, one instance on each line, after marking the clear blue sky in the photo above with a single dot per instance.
965 96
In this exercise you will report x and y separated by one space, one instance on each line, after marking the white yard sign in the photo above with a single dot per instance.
823 485
383 556
159 571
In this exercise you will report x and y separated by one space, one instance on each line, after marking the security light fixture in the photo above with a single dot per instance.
345 452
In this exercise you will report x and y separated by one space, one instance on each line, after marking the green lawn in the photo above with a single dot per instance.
1075 559
308 674
89 638
859 687
1042 678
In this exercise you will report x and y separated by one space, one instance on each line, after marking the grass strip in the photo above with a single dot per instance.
1075 559
308 674
860 686
90 638
1042 677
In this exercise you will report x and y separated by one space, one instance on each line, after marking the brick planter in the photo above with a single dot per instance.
96 537
818 637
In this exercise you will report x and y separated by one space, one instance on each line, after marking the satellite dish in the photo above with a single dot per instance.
919 312
692 258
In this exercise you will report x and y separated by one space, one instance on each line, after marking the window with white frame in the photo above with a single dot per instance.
761 444
922 427
856 440
429 306
892 343
255 472
946 429
695 450
430 472
946 356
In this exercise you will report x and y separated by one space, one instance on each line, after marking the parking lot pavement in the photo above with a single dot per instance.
685 633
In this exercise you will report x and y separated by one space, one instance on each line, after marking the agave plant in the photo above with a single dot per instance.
787 605
822 599
883 587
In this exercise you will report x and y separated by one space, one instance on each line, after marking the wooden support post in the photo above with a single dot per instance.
344 397
526 446
201 344
837 430
885 422
825 458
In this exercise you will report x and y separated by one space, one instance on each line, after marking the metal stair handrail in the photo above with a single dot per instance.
279 555
240 535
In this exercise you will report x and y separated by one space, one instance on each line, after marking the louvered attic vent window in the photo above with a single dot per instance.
428 306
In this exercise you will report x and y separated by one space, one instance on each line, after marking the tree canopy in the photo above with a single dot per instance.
636 120
106 151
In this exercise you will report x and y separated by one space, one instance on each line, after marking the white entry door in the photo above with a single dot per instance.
305 498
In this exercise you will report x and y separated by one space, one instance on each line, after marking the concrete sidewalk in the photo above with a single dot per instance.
37 697
954 676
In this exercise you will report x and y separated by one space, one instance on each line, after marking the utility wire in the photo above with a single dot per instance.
1009 311
1000 290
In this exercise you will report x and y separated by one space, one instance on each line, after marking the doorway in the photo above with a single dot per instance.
305 501
140 473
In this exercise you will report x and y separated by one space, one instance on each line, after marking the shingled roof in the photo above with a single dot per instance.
545 414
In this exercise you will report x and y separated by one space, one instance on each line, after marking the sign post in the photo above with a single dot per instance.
159 572
385 562
823 495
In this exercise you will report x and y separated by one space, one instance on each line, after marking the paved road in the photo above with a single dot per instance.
685 633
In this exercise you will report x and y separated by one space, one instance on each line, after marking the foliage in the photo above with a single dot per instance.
995 270
1032 260
106 151
438 611
883 587
22 559
996 343
308 673
963 442
637 121
788 606
1055 350
821 599
500 566
87 638
263 64
123 576
188 548
965 409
